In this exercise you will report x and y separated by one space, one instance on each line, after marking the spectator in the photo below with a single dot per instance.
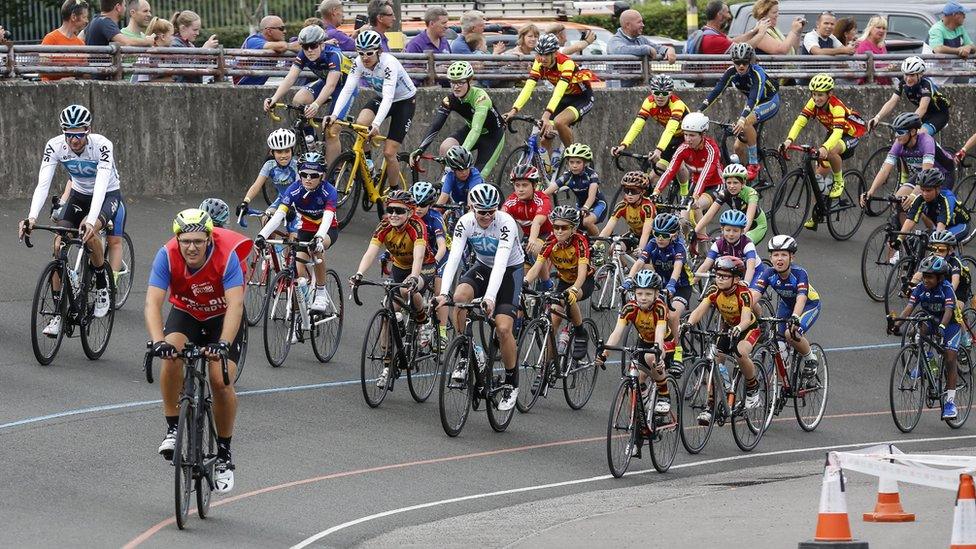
628 39
162 29
270 37
576 47
187 24
475 42
74 18
381 20
472 21
873 40
846 31
104 29
331 13
774 43
821 40
525 43
140 14
432 39
3 33
717 18
949 35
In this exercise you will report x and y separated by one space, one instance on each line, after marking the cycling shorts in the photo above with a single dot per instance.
580 104
600 210
682 294
75 210
562 286
204 332
315 88
427 274
667 349
400 116
727 346
950 336
767 110
807 318
486 150
507 300
307 236
850 144
934 120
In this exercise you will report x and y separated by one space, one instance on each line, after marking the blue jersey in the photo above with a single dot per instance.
663 260
934 301
795 284
755 84
457 189
311 205
331 59
435 229
281 177
580 185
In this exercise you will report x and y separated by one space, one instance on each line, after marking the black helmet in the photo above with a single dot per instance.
906 121
930 178
933 264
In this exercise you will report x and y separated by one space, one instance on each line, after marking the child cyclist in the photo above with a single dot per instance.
218 211
943 244
424 195
584 182
700 155
737 196
934 295
282 171
733 242
635 209
460 178
530 208
931 105
797 299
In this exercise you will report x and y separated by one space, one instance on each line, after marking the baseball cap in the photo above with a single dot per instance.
952 8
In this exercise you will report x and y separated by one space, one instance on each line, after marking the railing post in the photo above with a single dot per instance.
117 61
431 71
869 67
11 58
645 69
221 64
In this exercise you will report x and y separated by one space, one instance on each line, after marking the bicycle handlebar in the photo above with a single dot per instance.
639 156
299 109
387 284
54 229
520 118
250 212
190 352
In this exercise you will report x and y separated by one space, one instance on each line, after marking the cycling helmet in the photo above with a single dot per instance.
368 40
74 117
821 83
930 178
423 193
311 161
933 264
648 279
401 196
694 122
458 158
742 52
312 34
217 209
579 150
942 237
524 171
735 218
548 43
666 223
661 83
565 213
634 179
730 264
192 220
460 70
906 121
281 139
484 196
735 170
913 65
782 242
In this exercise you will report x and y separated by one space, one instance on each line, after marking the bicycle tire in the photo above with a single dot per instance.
454 414
268 192
123 278
370 371
748 425
791 204
663 441
579 382
901 383
498 419
256 286
844 214
764 356
696 397
898 286
208 447
182 465
326 328
533 342
241 360
424 365
603 301
96 332
875 265
514 158
40 318
871 168
623 417
279 320
812 400
344 173
771 176
964 389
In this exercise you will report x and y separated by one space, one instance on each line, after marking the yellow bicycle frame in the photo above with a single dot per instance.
359 164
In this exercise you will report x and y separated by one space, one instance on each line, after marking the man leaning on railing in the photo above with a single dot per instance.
629 41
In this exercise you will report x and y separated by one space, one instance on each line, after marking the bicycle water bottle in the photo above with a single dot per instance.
825 181
784 351
401 319
480 356
557 154
933 365
563 340
75 282
726 380
303 290
734 159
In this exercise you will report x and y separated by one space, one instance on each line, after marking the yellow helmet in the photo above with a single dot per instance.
192 220
822 83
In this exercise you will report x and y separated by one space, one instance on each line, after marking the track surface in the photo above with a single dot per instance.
78 438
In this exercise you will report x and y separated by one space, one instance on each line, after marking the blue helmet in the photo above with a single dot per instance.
484 196
423 193
933 264
311 161
218 210
735 218
648 279
666 223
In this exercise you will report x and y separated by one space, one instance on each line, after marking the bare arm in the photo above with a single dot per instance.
235 310
153 313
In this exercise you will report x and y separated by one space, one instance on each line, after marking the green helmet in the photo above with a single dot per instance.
460 70
579 150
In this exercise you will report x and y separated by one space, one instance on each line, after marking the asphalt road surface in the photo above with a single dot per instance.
78 441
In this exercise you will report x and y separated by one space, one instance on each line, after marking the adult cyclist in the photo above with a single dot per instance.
931 105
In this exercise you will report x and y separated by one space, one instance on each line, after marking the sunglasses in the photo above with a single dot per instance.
939 249
369 53
662 235
310 175
485 213
633 191
741 63
397 211
310 47
661 94
901 133
75 135
561 227
722 276
282 29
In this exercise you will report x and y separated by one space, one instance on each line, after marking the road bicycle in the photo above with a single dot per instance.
262 265
784 370
878 256
917 380
800 190
288 318
392 343
898 287
542 361
531 152
66 289
608 294
773 163
628 427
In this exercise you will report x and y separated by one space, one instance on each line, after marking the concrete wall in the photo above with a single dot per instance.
172 138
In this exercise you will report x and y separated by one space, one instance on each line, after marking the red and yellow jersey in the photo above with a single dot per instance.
402 240
635 215
646 322
669 116
567 257
835 116
730 304
567 70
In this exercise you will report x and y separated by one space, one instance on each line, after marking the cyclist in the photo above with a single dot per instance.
700 155
530 208
937 204
584 182
202 269
572 96
943 244
932 106
396 99
330 68
846 127
934 295
568 251
483 132
496 276
668 110
282 170
737 196
797 298
762 101
314 200
635 209
218 211
95 198
424 195
732 299
460 178
732 243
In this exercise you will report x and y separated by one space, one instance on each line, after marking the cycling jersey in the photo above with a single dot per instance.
942 209
92 172
525 211
457 189
741 202
434 222
580 185
925 151
935 301
387 78
310 205
835 116
331 59
280 176
567 77
663 260
401 241
731 304
755 84
743 248
646 322
704 165
477 111
669 116
795 284
496 247
957 267
566 257
635 215
924 88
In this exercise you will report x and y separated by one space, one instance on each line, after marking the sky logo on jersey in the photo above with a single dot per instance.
81 168
375 82
484 244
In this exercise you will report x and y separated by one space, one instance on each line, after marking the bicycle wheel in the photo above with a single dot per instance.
969 327
514 158
377 355
498 419
810 398
764 357
95 332
344 174
580 380
696 398
327 325
871 168
906 389
208 447
183 464
964 389
771 177
622 428
663 441
280 307
242 360
268 192
47 305
875 264
424 364
844 214
256 286
454 397
533 363
791 204
749 424
965 191
899 286
604 300
123 277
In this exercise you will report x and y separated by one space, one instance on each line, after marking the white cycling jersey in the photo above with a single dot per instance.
387 78
498 246
93 172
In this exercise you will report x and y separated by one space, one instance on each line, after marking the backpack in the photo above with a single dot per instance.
693 45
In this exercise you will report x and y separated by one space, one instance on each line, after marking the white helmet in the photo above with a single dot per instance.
782 242
312 34
735 170
281 139
913 65
694 122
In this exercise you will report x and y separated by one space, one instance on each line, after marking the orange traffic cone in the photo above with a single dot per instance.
888 508
964 517
833 527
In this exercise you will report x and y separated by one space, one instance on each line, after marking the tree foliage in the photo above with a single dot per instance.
14 13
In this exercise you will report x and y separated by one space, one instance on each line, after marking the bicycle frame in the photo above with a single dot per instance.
924 342
359 167
728 405
392 298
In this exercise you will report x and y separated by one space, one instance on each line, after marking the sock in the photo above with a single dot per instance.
511 377
171 421
809 356
753 154
951 395
443 330
319 288
223 447
662 388
101 277
838 177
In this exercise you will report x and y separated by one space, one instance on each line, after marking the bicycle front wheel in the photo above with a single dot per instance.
770 178
791 204
810 395
327 325
498 419
123 277
899 286
665 431
514 158
208 446
697 400
876 263
622 428
580 380
906 389
377 356
844 213
454 396
256 286
280 307
964 389
424 364
344 174
749 424
95 332
183 464
966 192
604 300
47 305
533 363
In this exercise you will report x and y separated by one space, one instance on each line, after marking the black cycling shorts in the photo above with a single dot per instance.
75 210
562 286
400 116
682 294
427 274
582 103
307 236
486 146
204 332
668 153
850 144
936 119
510 292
